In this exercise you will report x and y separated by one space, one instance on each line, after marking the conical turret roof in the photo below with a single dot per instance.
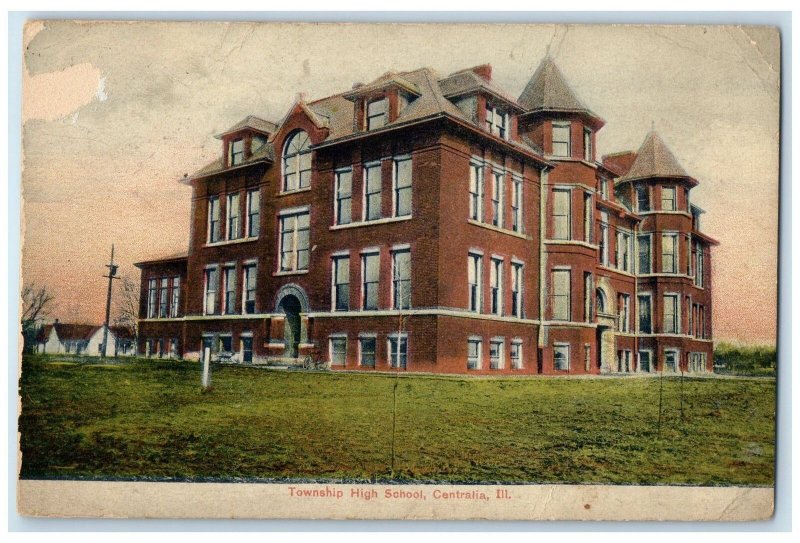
548 90
654 159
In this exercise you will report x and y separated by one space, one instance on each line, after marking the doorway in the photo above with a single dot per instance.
290 307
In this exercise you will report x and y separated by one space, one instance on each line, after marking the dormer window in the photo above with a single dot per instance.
376 114
237 151
562 144
497 121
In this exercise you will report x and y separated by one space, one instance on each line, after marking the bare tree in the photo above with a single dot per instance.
127 307
35 305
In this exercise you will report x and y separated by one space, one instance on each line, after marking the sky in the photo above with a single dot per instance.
115 113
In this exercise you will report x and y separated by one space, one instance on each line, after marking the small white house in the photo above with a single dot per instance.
82 339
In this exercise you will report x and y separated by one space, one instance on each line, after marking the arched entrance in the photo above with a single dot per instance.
292 302
606 325
290 307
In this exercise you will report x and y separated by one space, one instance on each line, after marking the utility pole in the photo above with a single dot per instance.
112 272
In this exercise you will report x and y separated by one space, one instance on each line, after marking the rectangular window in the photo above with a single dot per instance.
163 297
229 278
624 312
341 283
474 354
372 192
588 152
561 357
152 298
376 114
671 361
645 361
588 217
560 297
474 277
562 214
516 355
212 286
370 272
498 197
603 248
643 198
176 297
247 349
214 227
497 122
561 140
402 187
623 251
401 279
699 271
588 292
671 314
253 213
237 152
516 204
644 242
367 351
344 197
604 188
516 290
232 217
338 350
294 241
496 285
476 192
645 314
249 289
398 351
668 199
496 354
669 253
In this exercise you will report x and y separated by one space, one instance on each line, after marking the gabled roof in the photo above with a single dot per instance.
265 153
252 122
75 332
548 91
386 80
654 159
467 81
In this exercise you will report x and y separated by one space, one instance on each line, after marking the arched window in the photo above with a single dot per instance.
600 304
297 162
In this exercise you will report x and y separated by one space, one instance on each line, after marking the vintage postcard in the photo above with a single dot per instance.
399 271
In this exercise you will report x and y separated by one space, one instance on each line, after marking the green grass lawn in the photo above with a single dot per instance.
149 420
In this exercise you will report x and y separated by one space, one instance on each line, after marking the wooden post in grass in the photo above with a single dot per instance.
206 368
660 396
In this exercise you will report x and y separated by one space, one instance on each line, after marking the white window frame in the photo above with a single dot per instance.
564 347
496 285
296 232
624 312
676 328
649 238
214 233
476 190
677 352
604 229
588 150
675 264
517 202
152 298
228 293
246 274
371 119
331 339
236 153
233 216
478 341
397 282
562 125
475 267
402 340
367 337
517 288
296 169
175 297
336 261
651 364
498 198
665 192
516 361
365 255
253 213
555 296
343 200
497 362
367 208
640 313
206 292
397 189
566 216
